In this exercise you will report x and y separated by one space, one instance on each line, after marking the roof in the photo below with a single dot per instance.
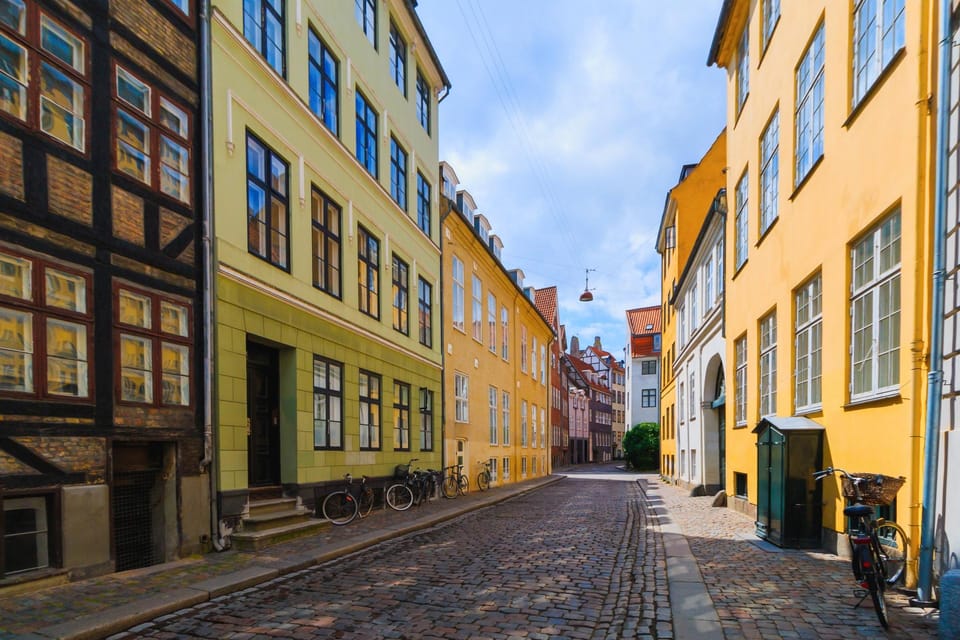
546 301
412 8
789 423
585 368
638 320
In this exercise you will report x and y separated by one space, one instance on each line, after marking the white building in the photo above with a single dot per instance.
643 366
698 299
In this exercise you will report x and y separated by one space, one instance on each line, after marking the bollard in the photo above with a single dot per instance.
950 605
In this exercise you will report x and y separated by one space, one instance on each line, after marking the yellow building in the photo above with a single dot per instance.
496 366
327 246
686 207
830 121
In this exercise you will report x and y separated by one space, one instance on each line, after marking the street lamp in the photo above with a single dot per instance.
587 296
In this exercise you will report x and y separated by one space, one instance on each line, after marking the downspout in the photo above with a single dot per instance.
931 447
209 264
444 463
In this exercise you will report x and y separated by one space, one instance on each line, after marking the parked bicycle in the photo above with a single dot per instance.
484 477
456 482
878 546
343 506
399 495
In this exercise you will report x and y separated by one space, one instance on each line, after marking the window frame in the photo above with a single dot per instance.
317 97
741 220
424 214
266 7
397 55
648 398
368 288
770 172
400 271
505 325
476 315
365 13
645 370
367 152
423 102
767 365
808 346
40 311
401 416
740 381
523 423
491 322
809 83
374 405
461 394
505 416
330 396
743 68
270 195
398 173
425 311
770 18
426 419
458 275
493 395
880 57
323 234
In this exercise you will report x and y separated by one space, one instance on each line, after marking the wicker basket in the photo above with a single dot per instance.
401 471
875 490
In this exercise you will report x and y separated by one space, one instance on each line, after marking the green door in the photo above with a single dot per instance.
770 485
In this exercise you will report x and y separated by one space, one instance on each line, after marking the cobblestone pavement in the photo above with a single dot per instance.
763 592
575 560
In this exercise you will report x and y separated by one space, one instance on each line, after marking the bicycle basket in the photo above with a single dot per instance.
401 471
875 490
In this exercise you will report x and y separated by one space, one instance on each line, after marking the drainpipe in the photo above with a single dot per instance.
209 264
931 453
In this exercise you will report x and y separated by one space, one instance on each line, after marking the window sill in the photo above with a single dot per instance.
737 271
806 177
886 397
809 411
766 231
740 426
875 87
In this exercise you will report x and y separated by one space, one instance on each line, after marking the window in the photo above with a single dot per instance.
719 262
768 365
477 316
366 15
423 204
875 302
740 391
693 464
769 172
366 135
543 364
533 425
263 27
267 204
151 137
492 323
533 358
543 428
708 298
523 348
809 341
743 67
506 469
493 469
423 102
740 484
770 15
398 59
523 423
494 429
155 347
401 416
398 173
182 5
505 408
426 419
648 367
326 243
401 288
875 21
458 291
533 465
26 540
368 267
741 221
692 397
461 391
504 320
369 396
809 116
694 310
33 46
425 295
327 404
323 70
46 329
523 467
648 398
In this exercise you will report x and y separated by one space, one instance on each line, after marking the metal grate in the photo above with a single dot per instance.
133 519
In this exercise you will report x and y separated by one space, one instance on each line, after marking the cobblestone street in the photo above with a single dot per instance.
573 560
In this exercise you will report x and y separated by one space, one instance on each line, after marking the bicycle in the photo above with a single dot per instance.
342 506
484 477
399 496
456 483
878 546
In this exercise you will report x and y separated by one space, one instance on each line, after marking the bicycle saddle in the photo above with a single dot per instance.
858 510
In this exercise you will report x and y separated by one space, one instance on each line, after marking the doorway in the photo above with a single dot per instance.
263 416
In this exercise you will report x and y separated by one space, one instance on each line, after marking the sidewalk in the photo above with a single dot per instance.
99 607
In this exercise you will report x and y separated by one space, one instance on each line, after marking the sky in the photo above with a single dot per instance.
569 127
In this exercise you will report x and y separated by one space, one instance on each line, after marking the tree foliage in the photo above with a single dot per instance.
641 446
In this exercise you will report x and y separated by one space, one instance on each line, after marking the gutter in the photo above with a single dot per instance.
931 448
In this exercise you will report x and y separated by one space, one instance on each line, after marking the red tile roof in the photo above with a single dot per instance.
546 301
640 319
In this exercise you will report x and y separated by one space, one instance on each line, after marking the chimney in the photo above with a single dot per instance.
596 342
575 346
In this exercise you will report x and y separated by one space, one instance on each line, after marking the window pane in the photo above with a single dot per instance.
133 91
175 361
55 40
61 106
66 291
175 161
136 362
133 146
16 351
174 118
13 13
66 359
13 78
135 309
174 319
16 277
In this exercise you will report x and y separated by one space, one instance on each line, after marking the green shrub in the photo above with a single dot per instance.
641 446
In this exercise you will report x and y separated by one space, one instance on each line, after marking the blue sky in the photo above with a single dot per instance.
569 127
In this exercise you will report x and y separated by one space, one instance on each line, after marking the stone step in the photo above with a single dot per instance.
271 505
257 540
264 521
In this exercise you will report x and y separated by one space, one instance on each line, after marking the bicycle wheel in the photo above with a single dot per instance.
399 497
463 485
449 487
483 480
893 549
365 504
869 564
339 507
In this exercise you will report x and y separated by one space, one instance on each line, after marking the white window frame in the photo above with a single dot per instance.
461 391
493 395
458 293
808 345
740 388
875 43
492 322
523 423
477 317
505 409
769 173
768 364
743 67
770 12
741 203
808 117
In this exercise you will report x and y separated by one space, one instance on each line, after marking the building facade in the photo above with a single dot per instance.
328 261
496 371
102 456
828 259
643 364
547 304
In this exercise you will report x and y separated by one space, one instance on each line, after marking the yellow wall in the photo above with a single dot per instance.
485 368
876 157
283 308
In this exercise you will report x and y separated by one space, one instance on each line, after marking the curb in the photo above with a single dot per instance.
123 617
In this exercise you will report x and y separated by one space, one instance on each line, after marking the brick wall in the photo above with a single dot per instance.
71 190
158 32
11 166
73 455
127 216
